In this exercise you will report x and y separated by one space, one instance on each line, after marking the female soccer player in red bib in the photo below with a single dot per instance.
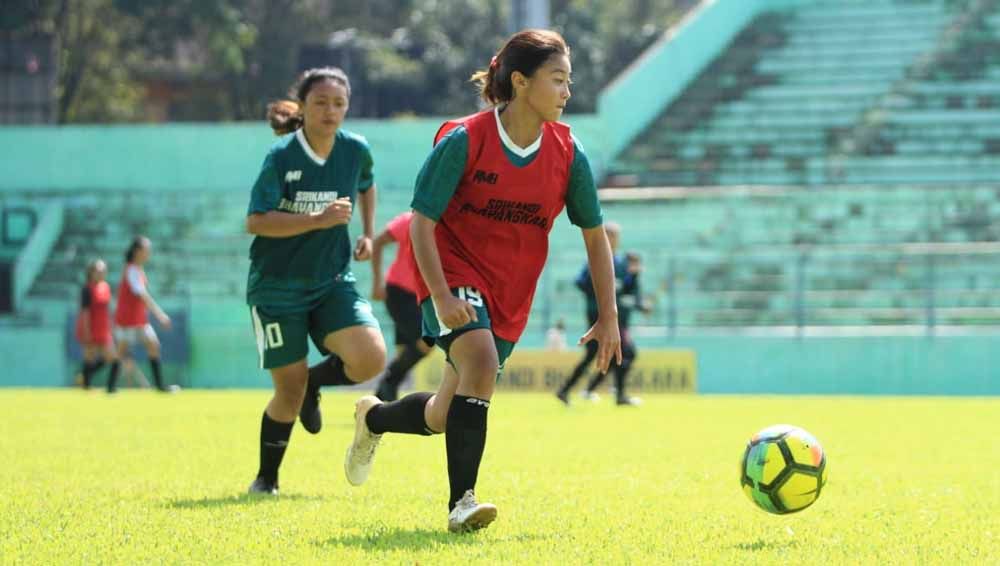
93 324
484 204
398 288
131 318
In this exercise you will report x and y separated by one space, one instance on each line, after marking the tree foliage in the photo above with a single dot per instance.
227 58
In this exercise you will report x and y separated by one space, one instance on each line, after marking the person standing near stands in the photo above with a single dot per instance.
93 324
300 284
398 288
131 319
628 297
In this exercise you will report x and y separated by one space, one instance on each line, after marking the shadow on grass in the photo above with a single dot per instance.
382 538
761 544
242 499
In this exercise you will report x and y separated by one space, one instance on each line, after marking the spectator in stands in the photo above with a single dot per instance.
484 204
131 321
398 288
627 270
93 324
300 283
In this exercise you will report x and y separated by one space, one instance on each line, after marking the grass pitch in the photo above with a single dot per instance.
141 477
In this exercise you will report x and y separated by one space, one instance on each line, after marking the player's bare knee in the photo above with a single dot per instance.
365 364
480 381
436 414
289 396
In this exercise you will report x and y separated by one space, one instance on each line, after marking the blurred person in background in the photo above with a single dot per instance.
555 337
131 319
93 324
629 298
398 288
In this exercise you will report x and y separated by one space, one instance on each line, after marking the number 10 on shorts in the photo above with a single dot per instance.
272 335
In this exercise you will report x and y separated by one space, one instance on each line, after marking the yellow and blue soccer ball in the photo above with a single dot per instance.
783 469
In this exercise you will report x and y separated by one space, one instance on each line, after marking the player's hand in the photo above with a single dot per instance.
378 290
336 213
454 312
609 341
363 250
164 321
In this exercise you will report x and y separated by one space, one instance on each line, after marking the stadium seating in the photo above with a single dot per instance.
837 93
866 130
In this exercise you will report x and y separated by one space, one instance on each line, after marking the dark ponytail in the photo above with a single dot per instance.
137 244
285 116
525 52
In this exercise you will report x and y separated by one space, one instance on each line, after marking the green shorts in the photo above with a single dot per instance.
434 329
282 338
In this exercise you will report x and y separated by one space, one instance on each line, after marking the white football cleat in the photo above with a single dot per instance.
590 396
470 516
361 452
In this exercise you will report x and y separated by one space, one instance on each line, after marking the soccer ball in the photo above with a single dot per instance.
783 469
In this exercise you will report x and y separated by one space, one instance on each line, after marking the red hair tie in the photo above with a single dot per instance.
493 63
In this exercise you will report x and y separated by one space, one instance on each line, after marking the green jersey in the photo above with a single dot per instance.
294 274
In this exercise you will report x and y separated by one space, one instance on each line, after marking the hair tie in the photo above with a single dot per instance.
493 63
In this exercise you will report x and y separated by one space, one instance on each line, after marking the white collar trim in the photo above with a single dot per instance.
509 143
307 148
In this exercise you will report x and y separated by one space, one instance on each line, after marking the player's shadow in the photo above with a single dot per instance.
761 544
243 499
412 539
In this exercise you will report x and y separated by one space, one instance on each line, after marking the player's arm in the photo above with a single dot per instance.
584 211
453 312
278 224
366 191
378 280
135 283
436 184
602 274
363 249
264 218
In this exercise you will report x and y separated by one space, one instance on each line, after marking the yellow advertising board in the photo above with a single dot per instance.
654 371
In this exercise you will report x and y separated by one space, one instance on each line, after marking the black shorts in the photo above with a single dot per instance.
405 313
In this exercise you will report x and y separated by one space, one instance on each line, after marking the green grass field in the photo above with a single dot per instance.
147 478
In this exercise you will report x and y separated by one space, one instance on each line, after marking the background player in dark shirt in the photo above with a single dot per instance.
629 298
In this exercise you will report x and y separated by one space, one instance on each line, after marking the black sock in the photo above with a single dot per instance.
580 368
596 381
329 372
273 442
620 381
87 371
113 376
405 415
157 376
465 440
401 365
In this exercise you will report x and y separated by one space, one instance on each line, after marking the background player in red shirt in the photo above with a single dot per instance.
484 204
93 324
398 288
131 321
